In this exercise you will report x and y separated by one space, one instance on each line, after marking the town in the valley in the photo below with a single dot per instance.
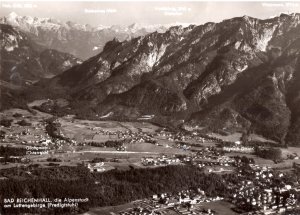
266 182
149 107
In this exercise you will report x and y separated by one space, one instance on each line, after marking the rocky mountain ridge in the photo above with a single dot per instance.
82 41
239 74
23 61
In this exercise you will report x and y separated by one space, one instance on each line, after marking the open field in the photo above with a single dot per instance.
102 131
290 151
237 136
221 207
84 131
219 169
109 210
232 137
148 147
258 160
256 137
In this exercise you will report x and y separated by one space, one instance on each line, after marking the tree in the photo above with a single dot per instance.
244 138
268 153
23 122
6 122
245 160
275 153
17 115
2 134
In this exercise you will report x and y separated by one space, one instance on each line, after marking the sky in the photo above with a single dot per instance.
124 13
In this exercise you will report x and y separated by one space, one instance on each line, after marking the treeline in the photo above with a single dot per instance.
53 129
52 107
271 153
12 99
251 144
11 154
115 187
263 144
6 122
11 151
58 173
109 143
245 160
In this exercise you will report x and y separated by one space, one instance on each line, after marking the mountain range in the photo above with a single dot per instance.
82 41
23 61
241 74
238 75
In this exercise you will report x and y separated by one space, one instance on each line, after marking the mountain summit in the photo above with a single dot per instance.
239 74
82 41
22 60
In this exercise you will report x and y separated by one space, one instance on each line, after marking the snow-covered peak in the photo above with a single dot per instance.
134 26
13 15
30 24
101 27
10 19
140 28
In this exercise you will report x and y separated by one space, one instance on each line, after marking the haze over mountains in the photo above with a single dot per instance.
82 41
23 60
241 74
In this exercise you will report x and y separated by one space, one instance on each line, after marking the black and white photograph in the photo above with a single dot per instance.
152 107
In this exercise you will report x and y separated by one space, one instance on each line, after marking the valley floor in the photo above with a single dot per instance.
102 146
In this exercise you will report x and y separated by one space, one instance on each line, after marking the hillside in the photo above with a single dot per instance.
237 75
23 61
82 41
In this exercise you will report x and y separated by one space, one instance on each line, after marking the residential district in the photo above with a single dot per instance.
260 188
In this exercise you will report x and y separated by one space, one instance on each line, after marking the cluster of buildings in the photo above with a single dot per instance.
182 136
96 167
183 146
38 136
140 137
260 191
210 156
35 138
161 160
132 137
186 202
258 188
179 136
219 161
206 157
208 153
16 136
